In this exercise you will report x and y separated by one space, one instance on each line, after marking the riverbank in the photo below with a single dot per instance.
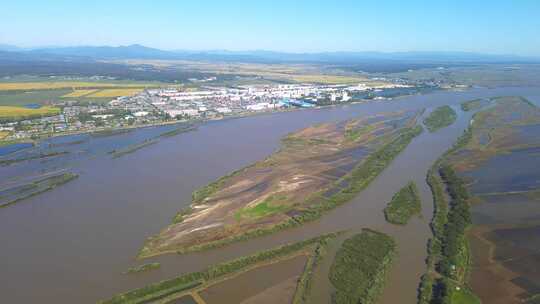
449 262
197 282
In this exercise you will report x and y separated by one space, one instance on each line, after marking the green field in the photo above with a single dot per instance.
18 113
404 204
40 90
440 118
464 296
266 207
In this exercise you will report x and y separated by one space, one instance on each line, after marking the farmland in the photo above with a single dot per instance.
44 91
53 85
265 73
79 93
15 113
113 93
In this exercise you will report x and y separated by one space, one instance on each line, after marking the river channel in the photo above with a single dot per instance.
73 243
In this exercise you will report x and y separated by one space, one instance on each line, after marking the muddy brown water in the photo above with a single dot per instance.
253 282
183 300
72 244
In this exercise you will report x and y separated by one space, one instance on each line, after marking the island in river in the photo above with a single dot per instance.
316 169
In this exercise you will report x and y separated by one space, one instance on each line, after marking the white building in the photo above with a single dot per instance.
140 114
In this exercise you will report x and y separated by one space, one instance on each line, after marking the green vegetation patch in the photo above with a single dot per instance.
132 148
352 134
143 268
188 281
266 207
304 286
177 131
464 296
7 162
448 251
21 98
359 269
471 105
404 204
298 141
440 118
12 113
19 193
360 177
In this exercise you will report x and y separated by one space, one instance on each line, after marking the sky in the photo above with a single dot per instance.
495 26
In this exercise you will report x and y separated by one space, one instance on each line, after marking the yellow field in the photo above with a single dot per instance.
20 112
6 86
3 134
114 93
79 93
327 79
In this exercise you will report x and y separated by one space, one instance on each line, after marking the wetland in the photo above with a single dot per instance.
101 220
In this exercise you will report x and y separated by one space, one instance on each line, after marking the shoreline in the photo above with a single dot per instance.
204 121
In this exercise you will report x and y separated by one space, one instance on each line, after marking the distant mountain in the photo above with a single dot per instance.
10 48
57 59
136 51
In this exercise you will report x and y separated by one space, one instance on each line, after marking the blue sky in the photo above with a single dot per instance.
496 26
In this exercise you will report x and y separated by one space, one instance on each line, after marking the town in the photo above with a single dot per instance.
172 104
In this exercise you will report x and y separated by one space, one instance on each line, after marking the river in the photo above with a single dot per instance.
72 244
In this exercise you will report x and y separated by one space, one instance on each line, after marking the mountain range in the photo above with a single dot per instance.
135 51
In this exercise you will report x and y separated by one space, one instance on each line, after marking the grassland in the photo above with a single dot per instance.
440 118
265 208
404 204
21 98
11 113
268 73
292 186
52 85
327 79
359 269
78 93
485 75
178 286
464 296
113 93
